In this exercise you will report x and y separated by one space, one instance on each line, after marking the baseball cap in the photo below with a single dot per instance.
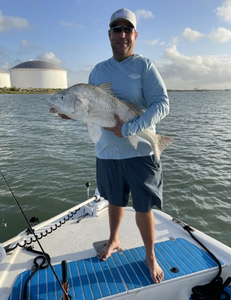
123 14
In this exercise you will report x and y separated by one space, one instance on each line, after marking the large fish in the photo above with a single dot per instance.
97 106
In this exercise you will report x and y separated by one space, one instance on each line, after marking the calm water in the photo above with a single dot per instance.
47 161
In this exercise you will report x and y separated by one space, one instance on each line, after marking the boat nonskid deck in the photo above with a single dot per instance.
124 274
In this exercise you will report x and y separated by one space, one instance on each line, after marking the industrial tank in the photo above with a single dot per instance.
38 74
4 79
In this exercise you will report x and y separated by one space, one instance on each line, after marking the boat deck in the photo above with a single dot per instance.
125 274
122 273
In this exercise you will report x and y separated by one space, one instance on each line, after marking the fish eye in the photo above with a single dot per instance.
62 97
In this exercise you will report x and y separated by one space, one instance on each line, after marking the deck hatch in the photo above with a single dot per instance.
92 278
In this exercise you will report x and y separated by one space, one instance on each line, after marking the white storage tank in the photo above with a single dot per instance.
4 79
38 74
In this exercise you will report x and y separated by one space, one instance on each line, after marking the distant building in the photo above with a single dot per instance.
38 74
4 79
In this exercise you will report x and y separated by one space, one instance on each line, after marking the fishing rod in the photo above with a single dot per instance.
32 231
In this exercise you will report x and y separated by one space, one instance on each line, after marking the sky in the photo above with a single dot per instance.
189 41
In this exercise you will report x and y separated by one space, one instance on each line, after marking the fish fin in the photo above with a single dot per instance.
81 98
94 132
137 110
107 87
133 141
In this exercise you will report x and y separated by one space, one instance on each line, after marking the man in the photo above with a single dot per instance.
121 168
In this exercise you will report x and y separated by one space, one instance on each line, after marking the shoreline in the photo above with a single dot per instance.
15 90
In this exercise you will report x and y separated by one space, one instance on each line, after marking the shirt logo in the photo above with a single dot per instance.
134 76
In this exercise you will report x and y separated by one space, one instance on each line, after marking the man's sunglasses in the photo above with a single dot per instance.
118 29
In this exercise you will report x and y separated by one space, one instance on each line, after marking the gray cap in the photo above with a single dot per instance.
123 14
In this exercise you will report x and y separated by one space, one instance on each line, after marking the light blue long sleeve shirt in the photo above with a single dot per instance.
135 80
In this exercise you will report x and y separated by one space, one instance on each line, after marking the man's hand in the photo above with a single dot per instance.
117 128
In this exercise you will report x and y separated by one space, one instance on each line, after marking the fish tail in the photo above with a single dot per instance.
162 143
158 142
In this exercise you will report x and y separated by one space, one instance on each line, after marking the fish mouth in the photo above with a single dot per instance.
53 109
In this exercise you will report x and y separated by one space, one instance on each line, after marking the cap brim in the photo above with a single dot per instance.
121 19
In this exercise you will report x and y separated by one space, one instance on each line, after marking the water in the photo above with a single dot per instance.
47 161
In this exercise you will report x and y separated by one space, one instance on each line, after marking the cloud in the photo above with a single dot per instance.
143 14
220 35
7 23
25 43
150 42
71 24
26 47
50 57
224 12
175 40
181 71
192 35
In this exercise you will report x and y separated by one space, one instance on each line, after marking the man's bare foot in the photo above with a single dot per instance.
155 270
108 249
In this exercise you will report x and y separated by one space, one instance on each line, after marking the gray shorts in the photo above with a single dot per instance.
142 176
